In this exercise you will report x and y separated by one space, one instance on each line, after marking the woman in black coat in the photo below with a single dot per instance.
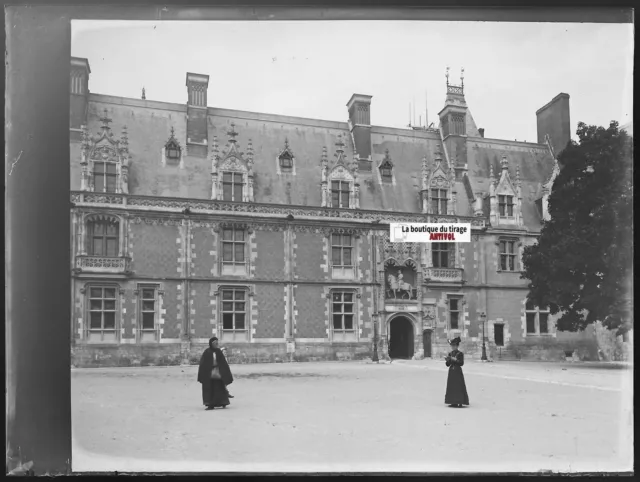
456 395
214 374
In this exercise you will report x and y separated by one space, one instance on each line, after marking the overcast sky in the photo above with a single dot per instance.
311 69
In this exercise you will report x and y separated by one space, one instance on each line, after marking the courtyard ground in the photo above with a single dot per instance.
356 417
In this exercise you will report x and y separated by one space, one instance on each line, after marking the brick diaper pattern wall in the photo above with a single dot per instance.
311 304
310 257
200 310
155 250
202 245
271 311
171 302
270 260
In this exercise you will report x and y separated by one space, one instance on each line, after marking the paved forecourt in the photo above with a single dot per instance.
355 416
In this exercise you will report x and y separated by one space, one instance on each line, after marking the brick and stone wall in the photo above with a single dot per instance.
310 257
270 302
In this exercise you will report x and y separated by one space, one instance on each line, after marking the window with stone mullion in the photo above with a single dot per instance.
104 176
443 255
340 194
505 205
148 309
342 310
341 250
537 320
233 246
507 255
234 310
232 183
439 201
102 309
103 238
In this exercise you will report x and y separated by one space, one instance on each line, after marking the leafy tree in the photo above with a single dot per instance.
582 264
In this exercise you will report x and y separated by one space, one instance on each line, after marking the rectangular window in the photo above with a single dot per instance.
343 311
505 205
233 251
342 256
439 201
104 240
386 173
234 309
544 323
104 177
537 319
507 255
286 162
232 183
340 194
454 312
443 255
102 314
148 302
341 249
531 323
498 331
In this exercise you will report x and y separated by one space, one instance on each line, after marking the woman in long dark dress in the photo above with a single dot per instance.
456 395
214 374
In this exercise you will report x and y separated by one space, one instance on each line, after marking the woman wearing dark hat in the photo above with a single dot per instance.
456 395
214 374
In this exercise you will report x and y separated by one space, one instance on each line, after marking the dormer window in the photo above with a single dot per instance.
438 201
386 167
172 149
340 187
232 186
340 191
232 173
505 205
286 161
105 160
104 176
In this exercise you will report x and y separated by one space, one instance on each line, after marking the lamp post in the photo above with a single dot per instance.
483 317
375 339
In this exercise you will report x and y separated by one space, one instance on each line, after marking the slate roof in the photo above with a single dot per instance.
149 126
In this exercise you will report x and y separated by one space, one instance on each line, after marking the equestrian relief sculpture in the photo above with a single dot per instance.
398 285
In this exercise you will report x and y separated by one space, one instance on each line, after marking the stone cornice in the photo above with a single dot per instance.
148 204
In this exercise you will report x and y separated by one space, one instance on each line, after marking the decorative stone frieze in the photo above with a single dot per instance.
199 206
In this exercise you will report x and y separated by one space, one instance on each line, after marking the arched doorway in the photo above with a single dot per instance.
401 338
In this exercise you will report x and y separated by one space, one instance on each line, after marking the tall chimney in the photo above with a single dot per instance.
359 107
197 138
554 121
79 102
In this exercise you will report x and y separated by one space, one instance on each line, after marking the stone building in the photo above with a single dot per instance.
272 232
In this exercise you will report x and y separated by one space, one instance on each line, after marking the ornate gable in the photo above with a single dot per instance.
233 167
102 156
438 193
505 196
343 172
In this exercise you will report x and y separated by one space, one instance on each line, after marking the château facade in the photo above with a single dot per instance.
272 232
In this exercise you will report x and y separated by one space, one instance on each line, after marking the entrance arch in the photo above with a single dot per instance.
401 338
